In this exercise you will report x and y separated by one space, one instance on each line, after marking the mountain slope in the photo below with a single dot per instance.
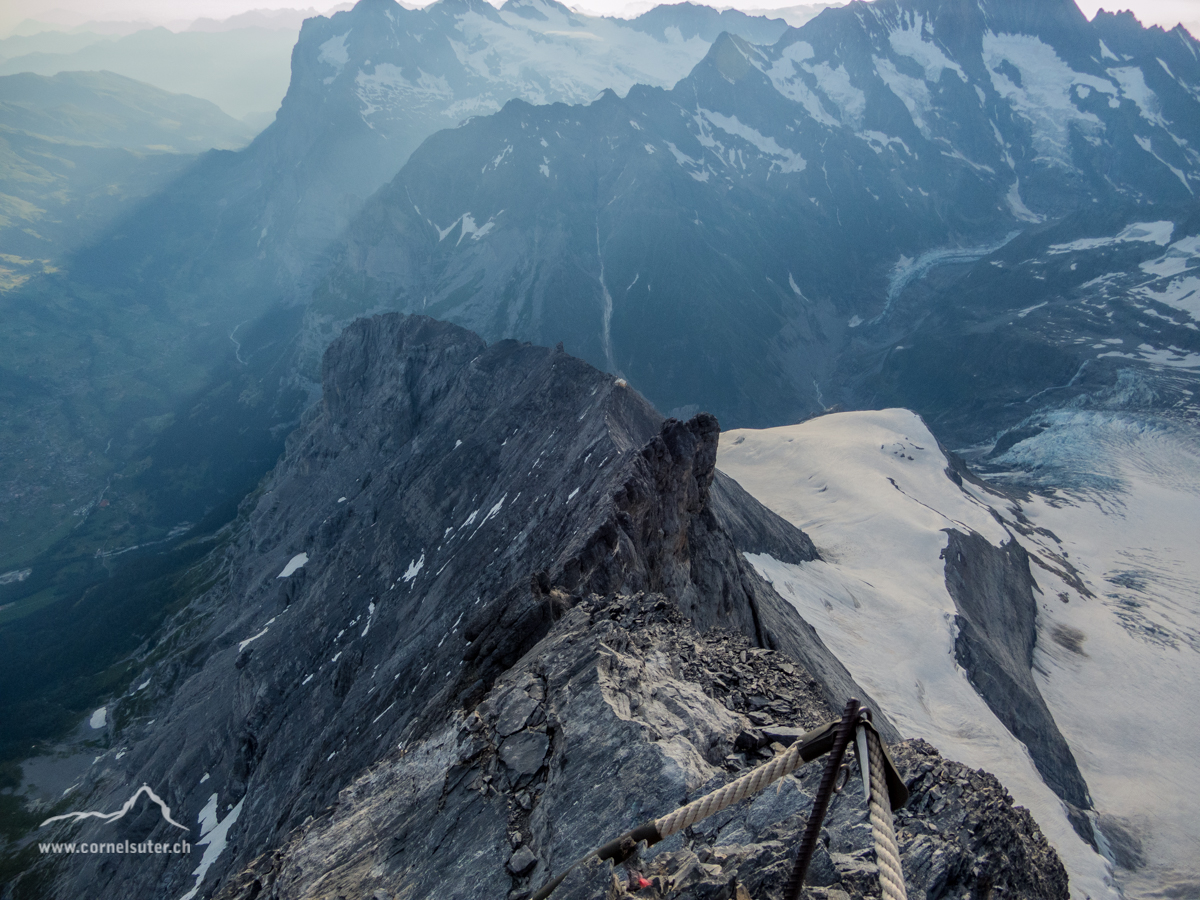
1121 482
1079 314
102 109
243 71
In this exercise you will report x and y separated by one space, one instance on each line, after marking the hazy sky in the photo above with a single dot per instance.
1151 12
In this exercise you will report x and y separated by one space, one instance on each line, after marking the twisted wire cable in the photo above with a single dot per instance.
831 738
887 852
734 792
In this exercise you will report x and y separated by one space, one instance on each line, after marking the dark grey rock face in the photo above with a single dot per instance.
992 588
444 507
758 533
524 753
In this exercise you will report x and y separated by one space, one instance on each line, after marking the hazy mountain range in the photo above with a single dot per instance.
777 198
241 235
243 71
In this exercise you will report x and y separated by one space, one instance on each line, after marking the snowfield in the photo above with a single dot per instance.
1117 668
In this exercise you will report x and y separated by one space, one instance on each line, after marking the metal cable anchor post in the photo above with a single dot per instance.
812 831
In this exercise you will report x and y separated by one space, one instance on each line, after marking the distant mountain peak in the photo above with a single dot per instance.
364 5
482 7
527 8
730 56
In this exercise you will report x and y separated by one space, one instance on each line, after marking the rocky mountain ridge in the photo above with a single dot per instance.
480 571
519 782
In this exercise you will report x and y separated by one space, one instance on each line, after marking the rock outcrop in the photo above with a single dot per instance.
624 710
997 628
